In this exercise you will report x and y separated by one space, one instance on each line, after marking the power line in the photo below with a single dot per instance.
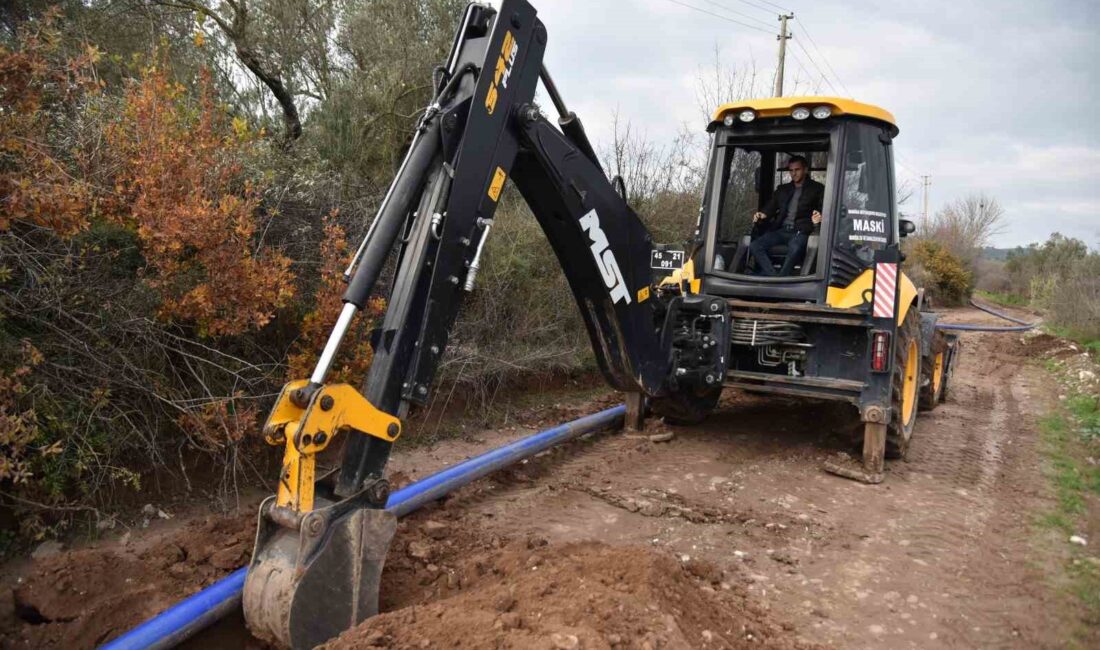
772 4
816 84
814 80
902 162
824 58
815 65
764 5
734 11
725 18
757 5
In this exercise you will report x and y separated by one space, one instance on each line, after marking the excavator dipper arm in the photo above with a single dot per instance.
321 541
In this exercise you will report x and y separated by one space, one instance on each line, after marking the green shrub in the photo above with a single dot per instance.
943 274
1062 278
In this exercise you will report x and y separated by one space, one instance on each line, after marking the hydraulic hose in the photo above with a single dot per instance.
196 612
1022 326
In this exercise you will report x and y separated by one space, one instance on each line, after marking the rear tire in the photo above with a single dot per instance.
905 386
684 409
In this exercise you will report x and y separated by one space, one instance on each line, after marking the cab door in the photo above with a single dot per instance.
866 216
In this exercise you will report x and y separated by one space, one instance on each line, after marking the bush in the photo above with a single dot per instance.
521 321
183 188
133 284
943 275
948 245
1034 270
1061 277
992 276
1074 300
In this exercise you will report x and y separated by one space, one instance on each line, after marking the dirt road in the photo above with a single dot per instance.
729 535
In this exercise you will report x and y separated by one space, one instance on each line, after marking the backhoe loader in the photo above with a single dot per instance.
846 325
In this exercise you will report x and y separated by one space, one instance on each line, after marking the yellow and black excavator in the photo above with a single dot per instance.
670 327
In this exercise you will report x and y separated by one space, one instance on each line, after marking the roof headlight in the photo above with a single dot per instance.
800 113
747 115
728 119
822 112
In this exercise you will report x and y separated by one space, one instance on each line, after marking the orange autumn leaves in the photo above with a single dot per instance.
170 166
36 185
184 188
355 354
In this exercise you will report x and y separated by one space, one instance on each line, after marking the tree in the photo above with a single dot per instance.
384 51
1034 270
241 23
965 225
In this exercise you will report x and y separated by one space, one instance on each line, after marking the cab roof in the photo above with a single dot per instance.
782 107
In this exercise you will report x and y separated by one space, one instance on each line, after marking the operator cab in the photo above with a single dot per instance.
847 146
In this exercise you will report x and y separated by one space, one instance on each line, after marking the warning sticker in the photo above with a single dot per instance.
497 184
867 226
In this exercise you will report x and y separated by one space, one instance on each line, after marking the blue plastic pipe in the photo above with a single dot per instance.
965 327
413 496
191 615
177 623
1022 327
998 314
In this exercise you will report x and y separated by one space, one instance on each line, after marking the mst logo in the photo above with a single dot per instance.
605 258
503 71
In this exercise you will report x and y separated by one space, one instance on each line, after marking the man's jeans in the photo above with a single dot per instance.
796 249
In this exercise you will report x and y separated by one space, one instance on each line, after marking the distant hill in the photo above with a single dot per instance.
994 253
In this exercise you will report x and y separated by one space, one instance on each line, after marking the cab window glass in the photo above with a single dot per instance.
753 169
740 196
865 210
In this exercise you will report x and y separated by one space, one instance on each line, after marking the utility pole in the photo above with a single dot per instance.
926 181
783 38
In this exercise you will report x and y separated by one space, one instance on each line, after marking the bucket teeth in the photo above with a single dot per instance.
308 585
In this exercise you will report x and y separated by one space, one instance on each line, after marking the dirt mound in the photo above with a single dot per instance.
84 598
1034 345
529 594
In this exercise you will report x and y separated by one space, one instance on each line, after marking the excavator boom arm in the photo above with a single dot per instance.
321 540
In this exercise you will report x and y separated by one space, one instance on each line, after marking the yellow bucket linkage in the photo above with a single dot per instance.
331 409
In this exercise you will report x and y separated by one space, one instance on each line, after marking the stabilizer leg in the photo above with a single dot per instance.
635 411
874 450
874 457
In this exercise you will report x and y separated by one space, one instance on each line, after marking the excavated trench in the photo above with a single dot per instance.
730 535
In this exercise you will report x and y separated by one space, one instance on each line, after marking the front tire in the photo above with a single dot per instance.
686 408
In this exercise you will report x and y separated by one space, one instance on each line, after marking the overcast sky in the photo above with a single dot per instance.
995 96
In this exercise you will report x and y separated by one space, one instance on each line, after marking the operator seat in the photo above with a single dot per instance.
779 253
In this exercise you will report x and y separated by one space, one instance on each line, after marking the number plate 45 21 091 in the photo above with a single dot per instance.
667 260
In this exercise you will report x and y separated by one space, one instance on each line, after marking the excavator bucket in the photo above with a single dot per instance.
307 585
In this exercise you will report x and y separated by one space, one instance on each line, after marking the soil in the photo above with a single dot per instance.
82 598
728 535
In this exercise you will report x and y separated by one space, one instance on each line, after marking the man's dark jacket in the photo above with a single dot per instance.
812 198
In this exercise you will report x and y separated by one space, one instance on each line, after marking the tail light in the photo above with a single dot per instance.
880 351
